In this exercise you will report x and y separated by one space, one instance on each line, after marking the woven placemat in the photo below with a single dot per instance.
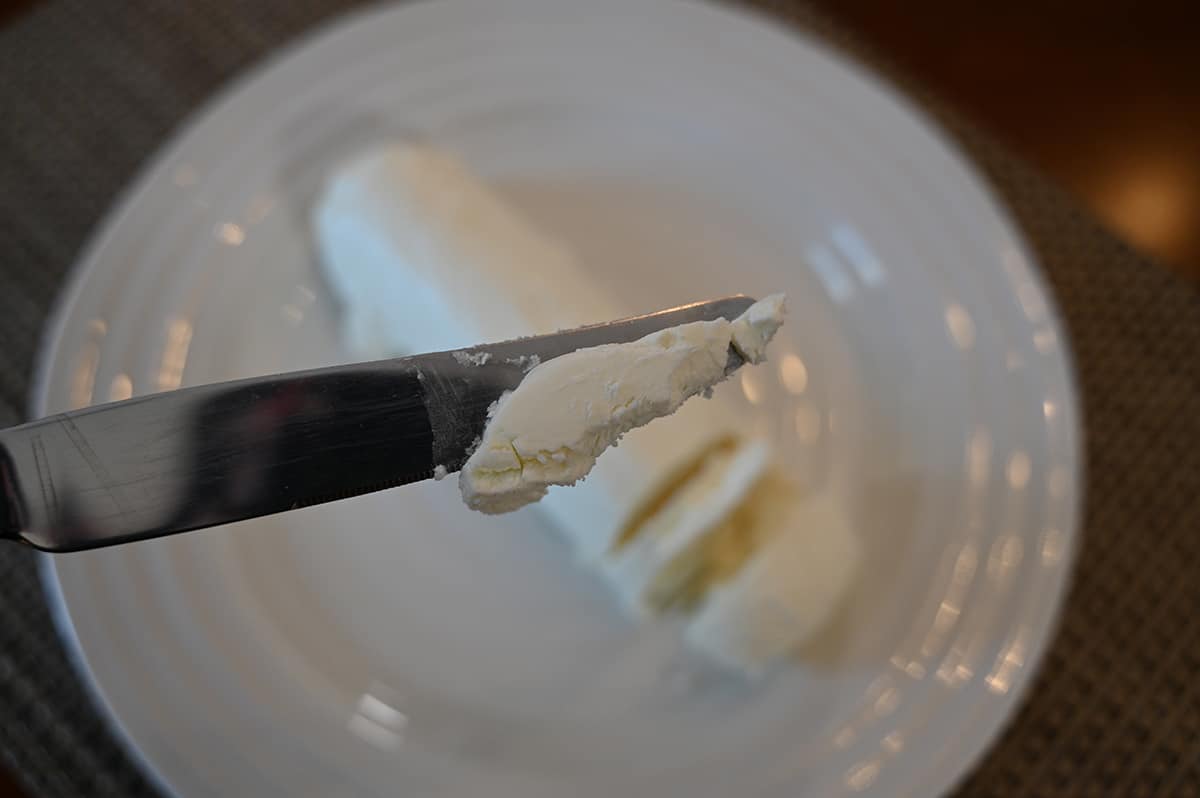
90 88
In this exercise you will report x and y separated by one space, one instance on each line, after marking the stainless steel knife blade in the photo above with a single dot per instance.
212 454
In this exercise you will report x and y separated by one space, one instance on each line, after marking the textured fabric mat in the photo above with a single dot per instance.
90 88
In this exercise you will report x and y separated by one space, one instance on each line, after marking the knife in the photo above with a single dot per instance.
197 457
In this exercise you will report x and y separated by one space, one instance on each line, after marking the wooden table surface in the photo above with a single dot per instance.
1102 96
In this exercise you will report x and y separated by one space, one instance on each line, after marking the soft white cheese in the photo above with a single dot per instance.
786 592
568 410
721 482
424 257
753 330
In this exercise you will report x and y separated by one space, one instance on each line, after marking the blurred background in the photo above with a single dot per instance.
1104 97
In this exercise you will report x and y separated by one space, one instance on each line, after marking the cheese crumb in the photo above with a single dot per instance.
471 358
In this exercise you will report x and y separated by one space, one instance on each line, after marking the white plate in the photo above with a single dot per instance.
397 644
